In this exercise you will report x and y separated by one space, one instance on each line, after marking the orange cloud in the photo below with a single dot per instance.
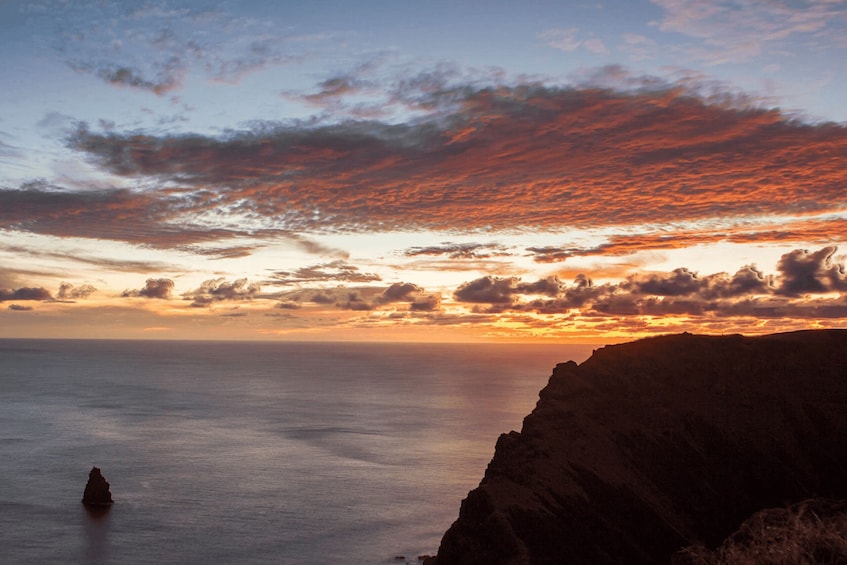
811 231
506 157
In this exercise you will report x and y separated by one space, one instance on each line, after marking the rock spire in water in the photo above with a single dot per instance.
97 490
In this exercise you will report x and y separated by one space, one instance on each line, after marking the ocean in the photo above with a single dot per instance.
251 452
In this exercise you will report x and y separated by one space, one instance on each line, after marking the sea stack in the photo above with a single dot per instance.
652 446
97 490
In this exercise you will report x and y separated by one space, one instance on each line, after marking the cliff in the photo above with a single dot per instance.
655 445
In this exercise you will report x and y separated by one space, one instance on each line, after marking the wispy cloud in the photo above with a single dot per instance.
571 39
153 47
728 31
818 231
8 151
167 219
165 79
639 47
335 93
81 257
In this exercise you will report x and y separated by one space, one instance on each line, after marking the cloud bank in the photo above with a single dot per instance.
807 285
507 157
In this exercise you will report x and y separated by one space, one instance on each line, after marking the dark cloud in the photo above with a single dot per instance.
67 291
153 288
487 290
681 292
550 286
802 272
355 302
234 252
112 214
504 290
357 306
20 308
409 293
333 92
322 298
38 201
748 280
25 293
430 303
551 254
466 251
399 292
155 219
219 289
680 282
334 271
398 297
582 294
234 315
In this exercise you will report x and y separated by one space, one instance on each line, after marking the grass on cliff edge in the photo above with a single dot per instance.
810 533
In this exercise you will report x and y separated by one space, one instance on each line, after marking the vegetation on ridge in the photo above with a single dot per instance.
813 532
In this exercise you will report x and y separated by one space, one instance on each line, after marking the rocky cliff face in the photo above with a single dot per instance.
651 446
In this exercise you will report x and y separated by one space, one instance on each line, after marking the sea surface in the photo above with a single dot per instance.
256 452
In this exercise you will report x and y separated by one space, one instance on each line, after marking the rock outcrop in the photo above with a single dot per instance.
97 491
655 445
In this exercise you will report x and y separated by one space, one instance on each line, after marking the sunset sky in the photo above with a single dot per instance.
584 171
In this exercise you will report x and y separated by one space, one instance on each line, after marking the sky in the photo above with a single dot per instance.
548 171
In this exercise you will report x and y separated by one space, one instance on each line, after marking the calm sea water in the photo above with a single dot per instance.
251 452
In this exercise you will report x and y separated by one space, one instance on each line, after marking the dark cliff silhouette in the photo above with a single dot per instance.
97 493
655 445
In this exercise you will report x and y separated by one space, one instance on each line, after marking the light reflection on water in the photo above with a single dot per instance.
95 524
251 452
